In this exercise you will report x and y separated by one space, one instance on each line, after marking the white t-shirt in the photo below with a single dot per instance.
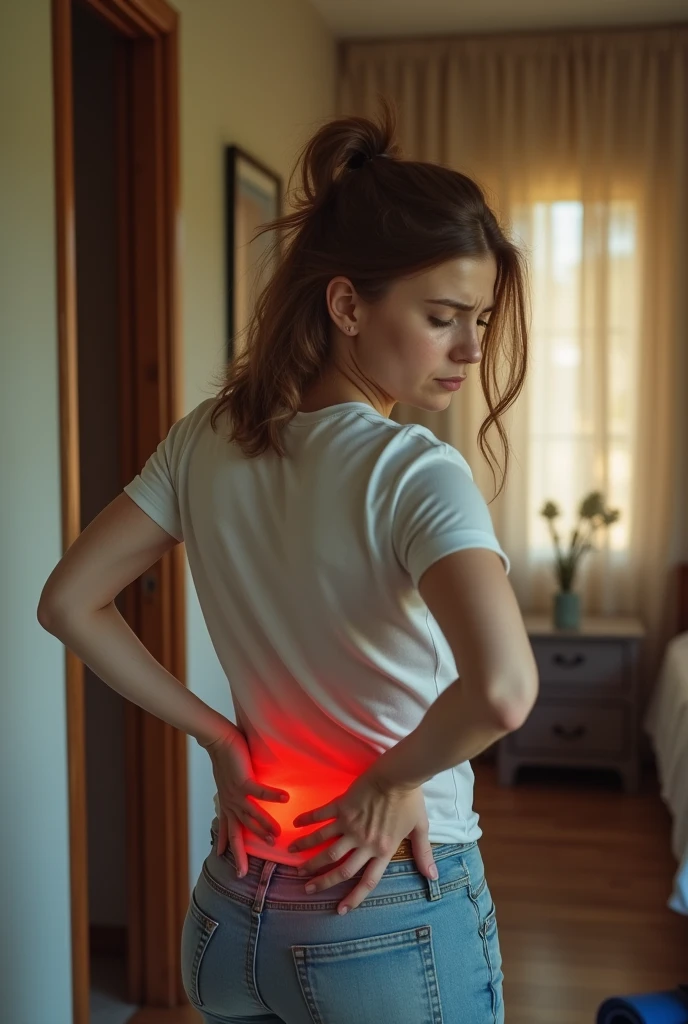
306 569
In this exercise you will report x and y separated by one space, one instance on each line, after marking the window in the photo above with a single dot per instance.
584 363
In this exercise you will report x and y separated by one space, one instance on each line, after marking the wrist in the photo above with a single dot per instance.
216 728
383 776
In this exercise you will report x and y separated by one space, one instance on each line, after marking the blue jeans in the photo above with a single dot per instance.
259 950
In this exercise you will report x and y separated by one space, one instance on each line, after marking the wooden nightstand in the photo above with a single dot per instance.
587 712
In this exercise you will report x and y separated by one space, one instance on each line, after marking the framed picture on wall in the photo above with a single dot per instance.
253 198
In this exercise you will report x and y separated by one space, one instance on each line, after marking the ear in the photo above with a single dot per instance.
342 302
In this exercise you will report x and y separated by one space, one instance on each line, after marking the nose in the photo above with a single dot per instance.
467 349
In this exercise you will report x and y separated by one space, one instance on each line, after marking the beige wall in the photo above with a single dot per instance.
34 881
259 73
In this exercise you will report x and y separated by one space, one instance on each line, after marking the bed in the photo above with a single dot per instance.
666 723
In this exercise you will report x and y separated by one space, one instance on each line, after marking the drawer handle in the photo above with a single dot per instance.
569 734
570 662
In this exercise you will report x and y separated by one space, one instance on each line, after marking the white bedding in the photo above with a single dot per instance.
666 723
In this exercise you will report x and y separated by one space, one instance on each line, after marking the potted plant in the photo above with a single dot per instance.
592 515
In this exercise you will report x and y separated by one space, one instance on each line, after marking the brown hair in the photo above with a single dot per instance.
373 221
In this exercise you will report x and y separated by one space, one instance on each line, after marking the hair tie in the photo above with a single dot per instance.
356 162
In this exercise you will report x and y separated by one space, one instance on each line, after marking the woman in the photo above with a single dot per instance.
348 570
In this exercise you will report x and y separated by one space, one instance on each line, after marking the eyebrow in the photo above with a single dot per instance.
457 305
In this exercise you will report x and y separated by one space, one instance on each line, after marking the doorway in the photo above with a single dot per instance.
116 151
94 45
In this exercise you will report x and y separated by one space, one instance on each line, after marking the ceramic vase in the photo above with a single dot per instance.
567 610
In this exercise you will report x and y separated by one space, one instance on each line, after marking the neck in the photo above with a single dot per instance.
334 388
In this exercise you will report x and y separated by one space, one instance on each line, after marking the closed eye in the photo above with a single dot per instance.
448 323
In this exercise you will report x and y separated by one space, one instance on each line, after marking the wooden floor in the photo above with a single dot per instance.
580 874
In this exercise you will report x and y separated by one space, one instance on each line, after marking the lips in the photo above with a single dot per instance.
451 383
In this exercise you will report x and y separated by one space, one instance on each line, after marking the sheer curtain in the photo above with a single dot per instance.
581 142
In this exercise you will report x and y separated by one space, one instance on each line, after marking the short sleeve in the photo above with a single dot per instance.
154 488
440 510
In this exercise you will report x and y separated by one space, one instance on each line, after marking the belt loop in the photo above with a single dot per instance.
434 891
265 876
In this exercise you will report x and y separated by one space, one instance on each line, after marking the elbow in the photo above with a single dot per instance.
513 718
60 612
49 612
513 710
46 616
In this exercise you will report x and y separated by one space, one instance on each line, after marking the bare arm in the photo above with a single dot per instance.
77 606
470 596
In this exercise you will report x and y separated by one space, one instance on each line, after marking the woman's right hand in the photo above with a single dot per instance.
237 792
369 821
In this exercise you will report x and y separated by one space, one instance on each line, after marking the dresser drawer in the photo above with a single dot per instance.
561 727
599 663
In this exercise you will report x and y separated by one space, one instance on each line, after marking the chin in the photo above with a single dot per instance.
433 403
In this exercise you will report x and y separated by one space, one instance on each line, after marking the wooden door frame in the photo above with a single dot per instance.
150 358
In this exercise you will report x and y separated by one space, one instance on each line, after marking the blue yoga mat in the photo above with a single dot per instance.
649 1008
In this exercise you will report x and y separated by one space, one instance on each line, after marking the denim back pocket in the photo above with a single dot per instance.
373 980
197 932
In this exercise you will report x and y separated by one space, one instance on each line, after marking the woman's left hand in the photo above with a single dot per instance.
236 786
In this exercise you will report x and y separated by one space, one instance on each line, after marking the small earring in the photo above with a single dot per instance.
349 328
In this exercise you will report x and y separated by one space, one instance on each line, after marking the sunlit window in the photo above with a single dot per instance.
583 381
